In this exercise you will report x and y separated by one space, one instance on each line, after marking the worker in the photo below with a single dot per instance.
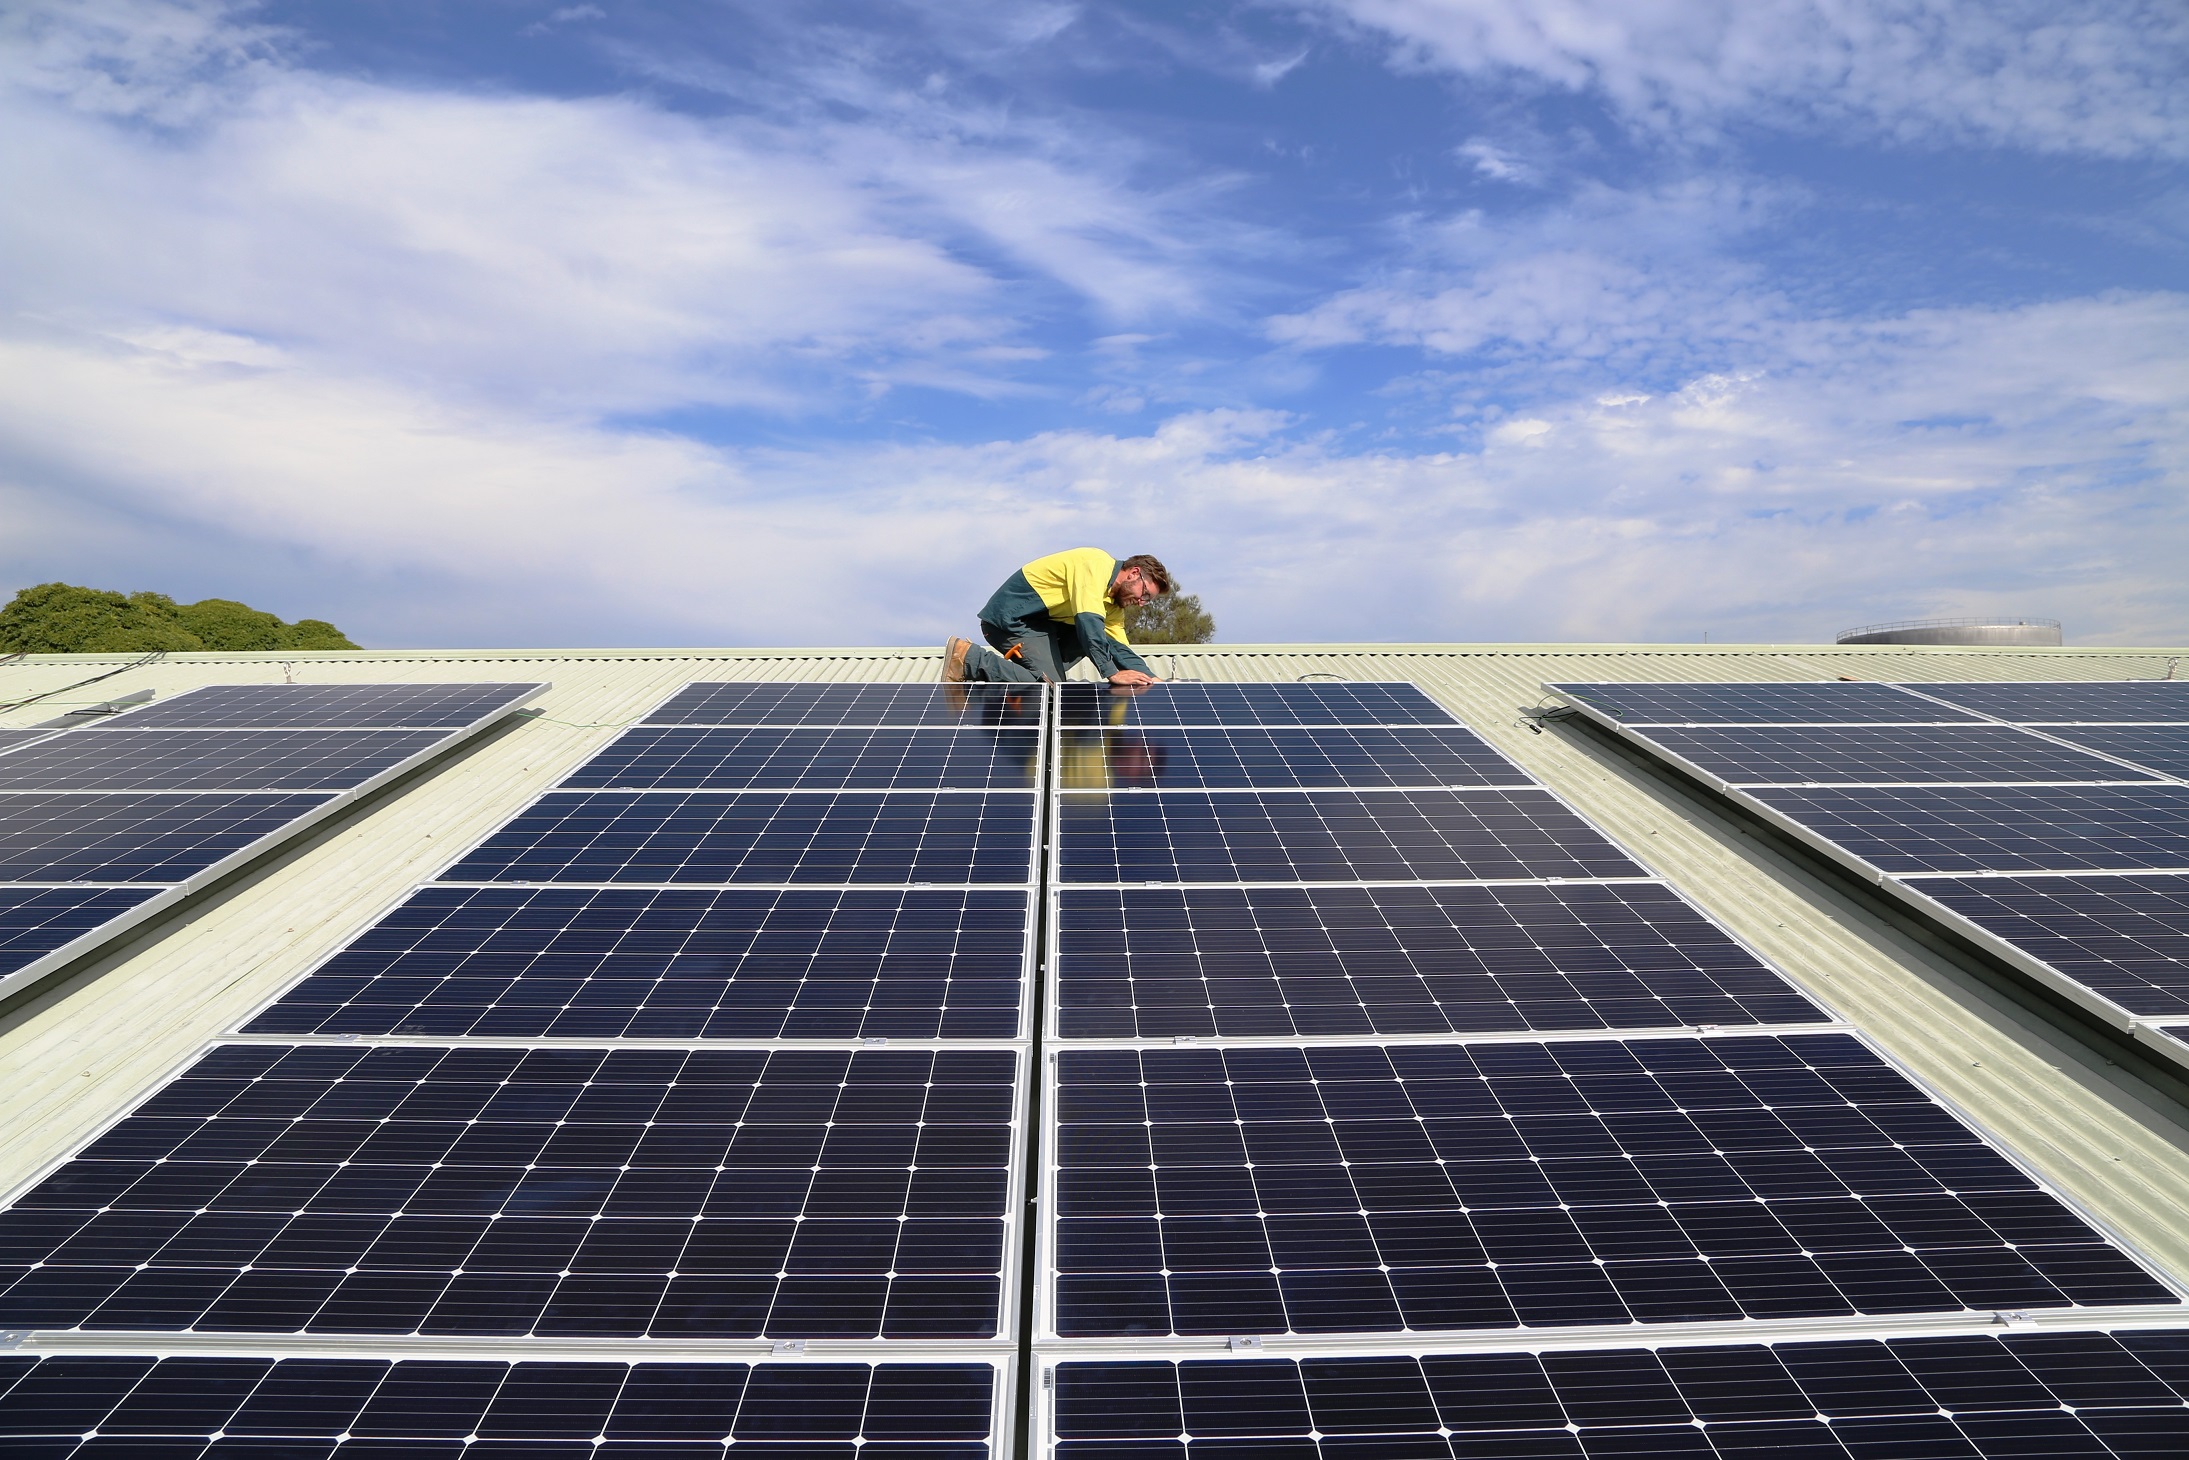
1056 611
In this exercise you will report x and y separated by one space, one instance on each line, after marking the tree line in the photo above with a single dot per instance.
61 618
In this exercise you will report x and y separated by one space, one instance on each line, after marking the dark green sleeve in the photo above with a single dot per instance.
1107 655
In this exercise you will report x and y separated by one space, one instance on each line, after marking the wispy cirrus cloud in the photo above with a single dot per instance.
2066 76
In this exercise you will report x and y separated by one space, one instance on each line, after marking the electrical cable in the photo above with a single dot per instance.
156 654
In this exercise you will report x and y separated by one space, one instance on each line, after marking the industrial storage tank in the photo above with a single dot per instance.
1988 632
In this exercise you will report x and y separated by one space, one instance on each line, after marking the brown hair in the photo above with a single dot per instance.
1150 569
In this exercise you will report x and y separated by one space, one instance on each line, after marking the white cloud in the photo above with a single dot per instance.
2096 76
2025 460
585 255
1495 163
1603 280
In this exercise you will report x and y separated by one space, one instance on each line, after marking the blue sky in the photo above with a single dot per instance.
715 322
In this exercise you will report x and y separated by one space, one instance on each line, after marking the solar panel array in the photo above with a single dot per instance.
719 1043
103 825
1455 1071
2049 821
689 1112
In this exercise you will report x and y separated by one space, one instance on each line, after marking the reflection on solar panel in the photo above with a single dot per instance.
9 739
850 704
1365 1189
1797 755
88 837
2126 938
1313 703
1240 756
36 920
299 1408
659 758
760 836
2072 702
1791 703
325 706
2163 748
211 760
1329 836
2049 1394
2002 828
1156 963
570 1192
569 963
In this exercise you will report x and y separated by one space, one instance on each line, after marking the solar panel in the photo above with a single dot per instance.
2001 829
1797 702
34 921
1336 961
9 739
212 760
325 706
2163 748
1311 703
563 1193
761 836
137 837
798 703
2071 701
1256 756
2033 1394
1440 1187
1329 836
300 1407
2124 937
1757 755
668 757
628 963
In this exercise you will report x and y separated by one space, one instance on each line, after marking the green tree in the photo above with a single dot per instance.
1175 618
61 618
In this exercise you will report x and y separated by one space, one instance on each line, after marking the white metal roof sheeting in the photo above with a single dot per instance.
76 1051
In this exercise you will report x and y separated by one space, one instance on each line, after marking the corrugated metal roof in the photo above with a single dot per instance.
79 1049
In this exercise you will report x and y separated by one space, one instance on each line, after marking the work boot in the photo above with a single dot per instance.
954 651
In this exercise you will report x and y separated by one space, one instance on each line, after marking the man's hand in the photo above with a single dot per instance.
1131 679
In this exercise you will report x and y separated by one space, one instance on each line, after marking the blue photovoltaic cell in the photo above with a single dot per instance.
1998 828
36 920
1156 963
761 836
2023 1394
1799 702
771 758
766 703
142 837
1441 1187
1311 703
570 963
488 1409
1281 757
325 706
1329 836
2163 748
2072 701
1749 755
2124 937
211 760
565 1193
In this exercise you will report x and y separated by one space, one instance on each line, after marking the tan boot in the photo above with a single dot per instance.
953 659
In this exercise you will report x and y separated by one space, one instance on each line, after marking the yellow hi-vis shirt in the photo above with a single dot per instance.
1077 581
